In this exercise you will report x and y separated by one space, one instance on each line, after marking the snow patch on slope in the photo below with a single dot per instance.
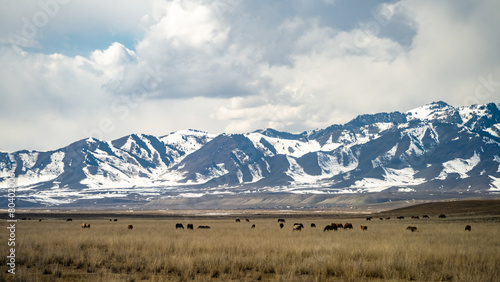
460 166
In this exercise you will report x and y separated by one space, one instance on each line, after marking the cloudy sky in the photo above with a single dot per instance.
73 69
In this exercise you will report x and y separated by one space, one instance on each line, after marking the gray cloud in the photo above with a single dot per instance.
236 65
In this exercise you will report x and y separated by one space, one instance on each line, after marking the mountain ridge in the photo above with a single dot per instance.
434 148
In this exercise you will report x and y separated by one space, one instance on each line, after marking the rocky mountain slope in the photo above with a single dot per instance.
436 148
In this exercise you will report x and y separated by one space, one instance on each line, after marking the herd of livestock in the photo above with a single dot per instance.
298 226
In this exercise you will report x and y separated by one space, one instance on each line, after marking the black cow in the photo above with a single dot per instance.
313 225
330 227
400 217
69 219
237 220
425 216
203 227
348 226
467 228
179 226
369 218
442 216
282 225
281 220
190 226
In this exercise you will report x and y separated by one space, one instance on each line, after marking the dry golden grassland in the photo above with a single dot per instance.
55 250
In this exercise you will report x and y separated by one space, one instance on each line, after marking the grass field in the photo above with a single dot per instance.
440 250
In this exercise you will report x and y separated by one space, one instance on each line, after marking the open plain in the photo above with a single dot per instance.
154 250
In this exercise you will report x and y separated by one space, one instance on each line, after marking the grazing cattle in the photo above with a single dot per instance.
467 228
39 220
297 227
363 227
442 216
415 217
179 226
130 227
115 219
69 219
339 225
299 224
330 227
388 218
369 218
110 219
281 220
347 226
247 220
237 220
85 225
400 217
203 227
425 216
282 225
411 228
190 226
381 218
313 225
253 226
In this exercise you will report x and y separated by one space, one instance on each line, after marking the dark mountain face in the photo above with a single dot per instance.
434 148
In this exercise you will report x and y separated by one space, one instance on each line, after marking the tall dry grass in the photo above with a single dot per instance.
154 250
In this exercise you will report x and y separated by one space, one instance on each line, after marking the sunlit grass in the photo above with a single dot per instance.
155 250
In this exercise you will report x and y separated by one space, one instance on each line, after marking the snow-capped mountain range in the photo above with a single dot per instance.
434 148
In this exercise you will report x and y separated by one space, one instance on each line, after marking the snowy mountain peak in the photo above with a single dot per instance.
433 111
431 149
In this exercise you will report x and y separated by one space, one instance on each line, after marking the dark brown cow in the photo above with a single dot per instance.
442 216
247 220
339 225
415 217
363 227
411 228
330 227
282 225
253 226
369 218
467 228
381 218
179 226
281 220
400 217
130 227
388 218
425 216
347 226
237 220
39 220
203 227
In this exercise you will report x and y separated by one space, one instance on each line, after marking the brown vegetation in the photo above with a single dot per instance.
54 250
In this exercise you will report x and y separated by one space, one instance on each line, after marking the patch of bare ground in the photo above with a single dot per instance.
477 209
